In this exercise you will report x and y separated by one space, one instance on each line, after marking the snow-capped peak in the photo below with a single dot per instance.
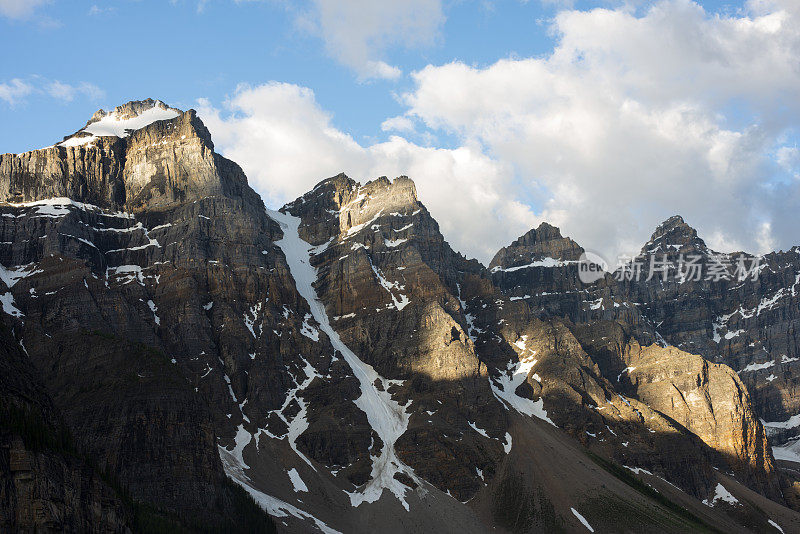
122 121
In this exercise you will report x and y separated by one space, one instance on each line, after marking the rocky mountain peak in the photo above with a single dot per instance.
142 154
545 232
674 235
537 244
132 109
123 120
340 205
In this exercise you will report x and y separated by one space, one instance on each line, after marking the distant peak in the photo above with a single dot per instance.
544 233
341 192
544 242
675 225
675 221
674 235
336 187
547 231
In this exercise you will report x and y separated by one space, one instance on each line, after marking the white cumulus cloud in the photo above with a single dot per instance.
635 117
398 124
67 92
17 90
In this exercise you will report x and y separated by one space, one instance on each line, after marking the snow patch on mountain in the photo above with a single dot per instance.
234 467
12 275
297 482
721 494
154 309
792 422
544 262
758 366
582 519
388 418
789 452
309 331
7 300
399 302
505 385
60 206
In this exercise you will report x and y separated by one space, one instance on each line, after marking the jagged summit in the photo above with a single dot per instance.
132 109
545 232
544 242
341 183
141 154
674 236
339 204
121 121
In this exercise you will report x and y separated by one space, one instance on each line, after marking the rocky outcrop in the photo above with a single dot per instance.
706 399
161 164
545 261
538 244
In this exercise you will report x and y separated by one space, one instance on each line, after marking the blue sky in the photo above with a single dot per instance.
178 53
571 112
183 50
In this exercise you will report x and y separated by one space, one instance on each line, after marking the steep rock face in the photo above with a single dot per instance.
120 315
163 163
544 260
538 244
541 269
388 280
706 399
44 485
573 386
680 306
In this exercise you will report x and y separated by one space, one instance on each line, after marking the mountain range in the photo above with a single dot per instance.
177 357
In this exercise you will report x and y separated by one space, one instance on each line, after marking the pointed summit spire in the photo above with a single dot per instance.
539 243
675 236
